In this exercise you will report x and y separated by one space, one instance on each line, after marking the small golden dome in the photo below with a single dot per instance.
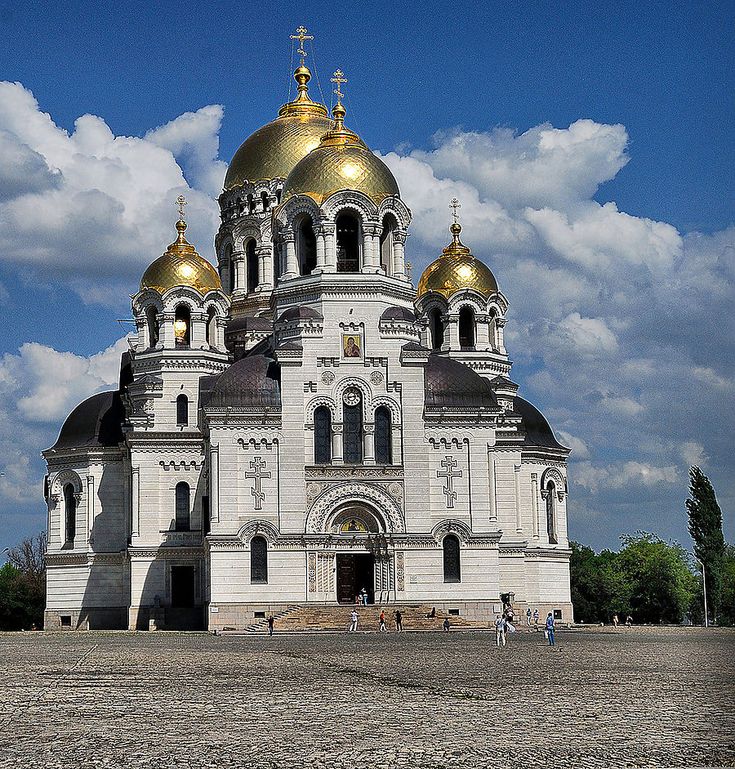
342 161
273 150
455 270
181 265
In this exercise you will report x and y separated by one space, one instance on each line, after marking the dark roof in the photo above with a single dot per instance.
398 313
248 323
450 383
253 381
538 430
414 347
300 313
95 422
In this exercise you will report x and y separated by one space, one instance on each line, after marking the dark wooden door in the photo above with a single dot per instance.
346 590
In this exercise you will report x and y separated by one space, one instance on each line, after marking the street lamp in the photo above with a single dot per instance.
704 590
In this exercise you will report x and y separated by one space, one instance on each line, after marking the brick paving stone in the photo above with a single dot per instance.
630 697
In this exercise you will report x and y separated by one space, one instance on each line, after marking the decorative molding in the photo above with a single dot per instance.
452 526
449 464
172 464
383 506
258 528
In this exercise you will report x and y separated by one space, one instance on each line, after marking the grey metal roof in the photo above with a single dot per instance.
449 383
398 313
537 429
95 422
248 323
300 313
253 381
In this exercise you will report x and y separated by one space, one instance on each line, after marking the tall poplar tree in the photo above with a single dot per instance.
705 526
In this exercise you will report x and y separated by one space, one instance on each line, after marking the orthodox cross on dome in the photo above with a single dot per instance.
301 36
257 473
454 205
338 78
181 202
449 464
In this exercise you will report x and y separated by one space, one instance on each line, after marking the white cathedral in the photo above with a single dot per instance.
302 425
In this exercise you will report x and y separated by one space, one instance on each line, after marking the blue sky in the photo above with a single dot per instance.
535 115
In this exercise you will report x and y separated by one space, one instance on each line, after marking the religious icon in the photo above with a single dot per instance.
351 346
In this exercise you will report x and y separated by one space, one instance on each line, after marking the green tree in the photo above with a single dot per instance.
727 605
23 585
599 588
705 526
662 585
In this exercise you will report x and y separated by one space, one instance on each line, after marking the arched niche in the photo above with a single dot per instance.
349 241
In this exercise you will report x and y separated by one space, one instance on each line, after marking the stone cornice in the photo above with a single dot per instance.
169 551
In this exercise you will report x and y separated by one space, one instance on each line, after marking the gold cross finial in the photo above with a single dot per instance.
338 78
301 36
454 205
181 202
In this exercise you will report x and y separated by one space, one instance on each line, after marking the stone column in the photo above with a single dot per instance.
266 279
292 267
337 445
451 333
198 331
482 332
517 479
330 247
371 248
167 330
534 504
90 507
214 483
135 502
500 324
368 444
240 276
491 484
321 254
399 257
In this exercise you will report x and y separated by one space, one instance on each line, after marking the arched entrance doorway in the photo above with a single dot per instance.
357 529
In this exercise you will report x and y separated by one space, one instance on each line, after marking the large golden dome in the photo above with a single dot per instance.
181 265
273 150
342 161
455 270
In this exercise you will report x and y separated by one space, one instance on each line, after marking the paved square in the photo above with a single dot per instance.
632 697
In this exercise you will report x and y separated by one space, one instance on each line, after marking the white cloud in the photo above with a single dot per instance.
630 475
90 205
577 445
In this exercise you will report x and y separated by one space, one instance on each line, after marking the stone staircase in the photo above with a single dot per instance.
322 617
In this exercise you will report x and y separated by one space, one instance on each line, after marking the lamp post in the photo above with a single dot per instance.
704 590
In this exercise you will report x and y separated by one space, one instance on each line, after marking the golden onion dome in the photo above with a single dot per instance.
273 150
342 161
457 269
181 265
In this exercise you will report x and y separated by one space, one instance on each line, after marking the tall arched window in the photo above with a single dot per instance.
182 326
258 560
183 516
306 246
70 510
386 243
251 262
466 327
182 410
322 436
383 437
348 243
551 513
436 326
451 559
352 427
264 200
152 318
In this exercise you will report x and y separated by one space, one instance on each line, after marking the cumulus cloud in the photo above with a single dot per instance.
89 205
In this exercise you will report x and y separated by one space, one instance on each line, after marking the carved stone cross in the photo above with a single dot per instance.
449 464
257 474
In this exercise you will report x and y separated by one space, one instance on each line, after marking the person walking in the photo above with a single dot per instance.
446 624
535 616
528 616
399 621
381 622
615 620
500 630
364 596
271 622
550 628
354 618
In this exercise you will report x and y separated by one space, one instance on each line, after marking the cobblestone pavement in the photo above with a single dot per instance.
630 697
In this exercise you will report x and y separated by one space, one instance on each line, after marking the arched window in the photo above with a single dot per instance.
70 510
437 328
348 243
182 410
352 427
386 243
258 560
152 318
264 200
451 559
466 327
183 516
232 279
322 436
383 437
212 327
551 513
251 261
306 246
182 326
